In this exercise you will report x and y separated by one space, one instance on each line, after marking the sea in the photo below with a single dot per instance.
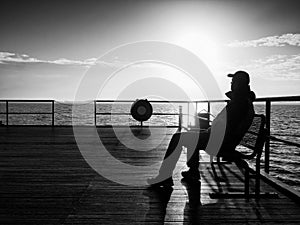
285 121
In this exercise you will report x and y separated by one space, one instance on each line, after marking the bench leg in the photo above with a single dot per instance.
257 185
257 178
247 195
247 182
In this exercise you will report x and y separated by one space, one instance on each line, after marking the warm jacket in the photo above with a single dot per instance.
232 122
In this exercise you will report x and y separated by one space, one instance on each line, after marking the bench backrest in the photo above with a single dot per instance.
254 138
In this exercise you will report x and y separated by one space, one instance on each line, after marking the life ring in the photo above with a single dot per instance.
141 110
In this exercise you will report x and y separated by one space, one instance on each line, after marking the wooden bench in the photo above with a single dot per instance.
253 143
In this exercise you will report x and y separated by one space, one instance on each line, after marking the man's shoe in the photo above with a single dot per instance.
158 182
190 175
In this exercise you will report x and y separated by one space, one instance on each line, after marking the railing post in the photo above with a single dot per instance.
188 115
52 113
267 143
6 113
180 117
208 110
95 113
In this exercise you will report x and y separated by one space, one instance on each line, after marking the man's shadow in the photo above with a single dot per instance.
158 202
192 209
159 199
194 192
195 212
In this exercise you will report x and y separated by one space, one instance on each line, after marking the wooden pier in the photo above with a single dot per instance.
45 180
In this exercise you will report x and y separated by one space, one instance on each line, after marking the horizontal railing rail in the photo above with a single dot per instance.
284 141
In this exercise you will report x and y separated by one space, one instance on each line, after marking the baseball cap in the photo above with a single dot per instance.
240 76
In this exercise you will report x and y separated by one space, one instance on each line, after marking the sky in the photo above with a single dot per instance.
48 48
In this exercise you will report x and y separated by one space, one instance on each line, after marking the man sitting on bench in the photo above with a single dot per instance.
225 133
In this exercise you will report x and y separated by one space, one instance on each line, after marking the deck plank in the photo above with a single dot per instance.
45 180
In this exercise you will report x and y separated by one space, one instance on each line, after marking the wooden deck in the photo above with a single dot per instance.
45 180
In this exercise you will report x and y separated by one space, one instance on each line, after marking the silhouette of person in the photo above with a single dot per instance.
237 115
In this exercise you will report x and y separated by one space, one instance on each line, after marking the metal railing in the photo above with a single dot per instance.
268 106
179 114
267 101
7 111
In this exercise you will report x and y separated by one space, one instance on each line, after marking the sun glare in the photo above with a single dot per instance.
202 46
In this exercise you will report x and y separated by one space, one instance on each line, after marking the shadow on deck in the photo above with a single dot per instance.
45 180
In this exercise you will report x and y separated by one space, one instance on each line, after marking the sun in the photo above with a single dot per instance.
206 48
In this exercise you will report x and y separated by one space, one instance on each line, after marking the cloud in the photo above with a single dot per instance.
275 67
271 41
15 58
8 57
63 61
